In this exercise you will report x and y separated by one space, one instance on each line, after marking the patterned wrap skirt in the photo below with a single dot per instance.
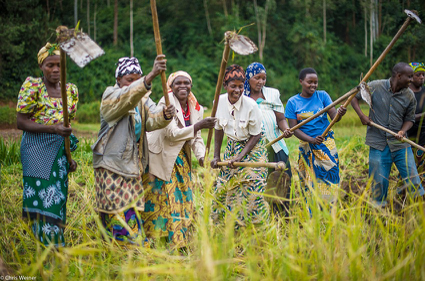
125 227
240 191
169 204
114 194
45 181
320 161
420 163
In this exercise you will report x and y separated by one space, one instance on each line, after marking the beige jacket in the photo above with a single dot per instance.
165 144
116 148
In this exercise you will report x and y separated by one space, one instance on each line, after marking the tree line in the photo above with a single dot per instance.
340 39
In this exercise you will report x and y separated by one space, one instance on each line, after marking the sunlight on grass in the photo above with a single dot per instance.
348 240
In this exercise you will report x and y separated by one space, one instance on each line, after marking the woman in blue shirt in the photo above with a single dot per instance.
317 152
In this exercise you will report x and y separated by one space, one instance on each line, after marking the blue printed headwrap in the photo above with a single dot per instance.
252 70
127 66
417 66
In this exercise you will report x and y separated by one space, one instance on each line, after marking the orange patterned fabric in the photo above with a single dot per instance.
234 72
115 192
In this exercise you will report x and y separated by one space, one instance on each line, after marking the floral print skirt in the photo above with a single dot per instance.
169 205
239 192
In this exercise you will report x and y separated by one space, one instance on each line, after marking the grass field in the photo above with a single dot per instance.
350 241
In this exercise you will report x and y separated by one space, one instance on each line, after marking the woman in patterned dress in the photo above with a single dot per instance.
318 156
239 190
274 121
44 163
120 154
169 201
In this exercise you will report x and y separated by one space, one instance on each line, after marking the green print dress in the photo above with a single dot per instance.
44 164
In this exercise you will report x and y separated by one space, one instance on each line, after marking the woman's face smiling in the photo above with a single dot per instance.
181 87
234 90
309 84
257 82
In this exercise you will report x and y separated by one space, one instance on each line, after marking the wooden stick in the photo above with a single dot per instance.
395 134
273 165
337 101
65 103
159 49
224 60
371 70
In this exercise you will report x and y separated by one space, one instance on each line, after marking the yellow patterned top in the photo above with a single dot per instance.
33 98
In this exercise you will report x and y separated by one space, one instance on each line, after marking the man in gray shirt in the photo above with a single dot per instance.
394 107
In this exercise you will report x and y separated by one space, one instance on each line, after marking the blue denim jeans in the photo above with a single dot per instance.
380 163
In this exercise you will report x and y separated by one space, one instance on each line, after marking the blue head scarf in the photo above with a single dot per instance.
252 70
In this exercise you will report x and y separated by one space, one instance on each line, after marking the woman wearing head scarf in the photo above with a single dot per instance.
417 132
273 117
169 203
120 154
44 163
239 190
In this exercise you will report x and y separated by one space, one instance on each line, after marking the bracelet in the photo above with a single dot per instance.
148 87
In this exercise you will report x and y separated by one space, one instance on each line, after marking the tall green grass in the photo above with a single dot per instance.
348 241
9 151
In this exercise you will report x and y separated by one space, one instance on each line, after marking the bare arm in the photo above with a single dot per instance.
282 124
402 133
159 65
419 116
207 123
303 136
24 123
197 142
355 104
337 113
218 140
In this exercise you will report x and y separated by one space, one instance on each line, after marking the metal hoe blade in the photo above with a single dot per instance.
413 15
365 93
240 44
79 47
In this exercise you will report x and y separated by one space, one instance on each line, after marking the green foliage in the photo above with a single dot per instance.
294 40
88 113
9 152
349 241
7 115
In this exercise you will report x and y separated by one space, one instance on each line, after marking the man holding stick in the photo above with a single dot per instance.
393 108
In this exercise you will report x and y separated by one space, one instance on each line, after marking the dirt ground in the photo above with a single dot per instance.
13 133
10 133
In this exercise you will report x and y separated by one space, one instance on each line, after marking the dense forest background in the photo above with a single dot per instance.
340 39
